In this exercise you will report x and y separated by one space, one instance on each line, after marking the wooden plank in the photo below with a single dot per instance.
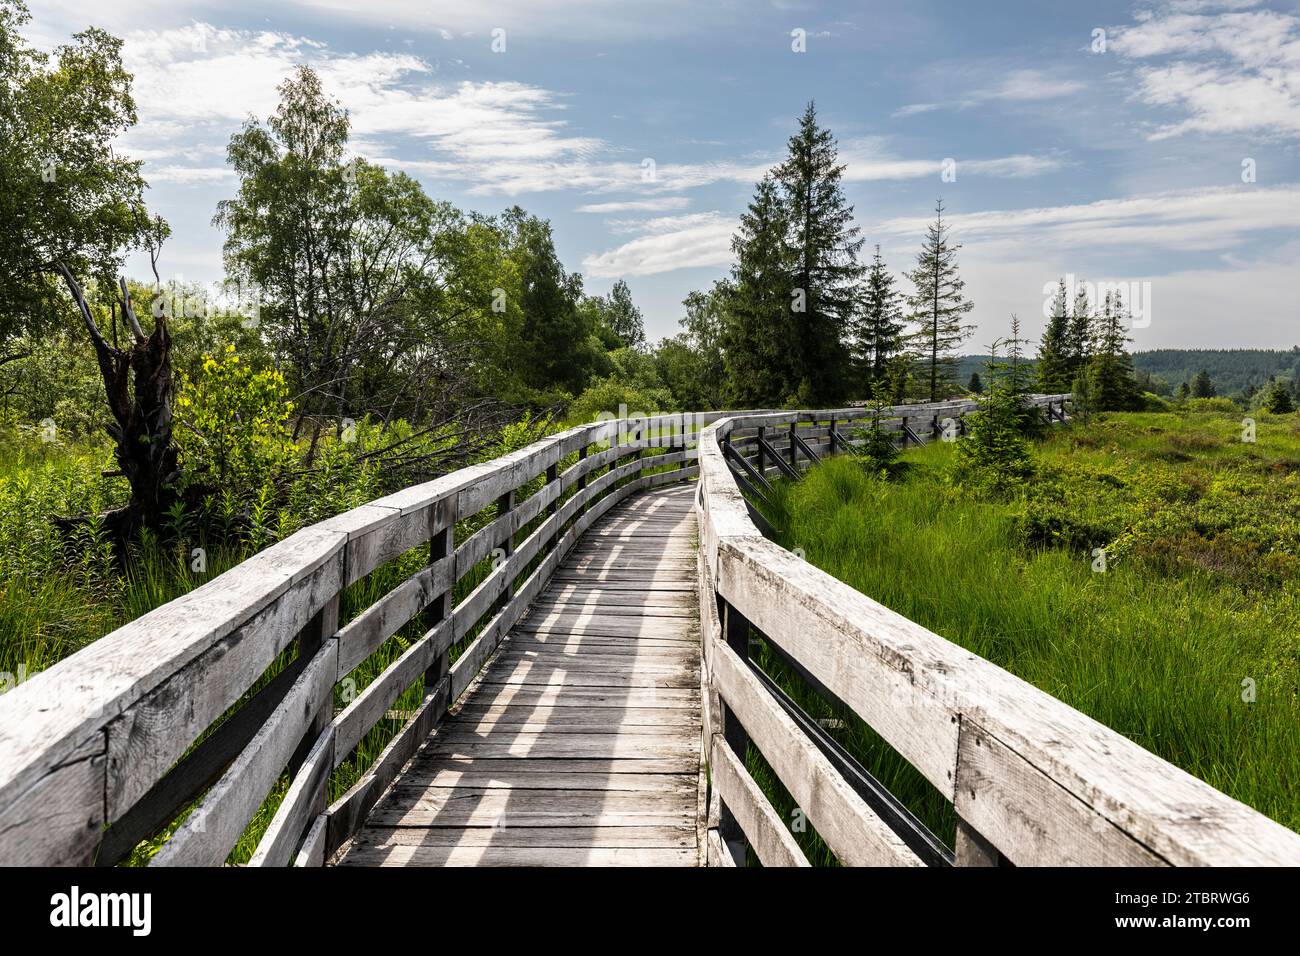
346 814
568 746
211 831
303 802
571 837
463 807
362 636
843 819
519 856
372 703
763 829
434 774
472 714
561 696
432 760
313 845
1028 817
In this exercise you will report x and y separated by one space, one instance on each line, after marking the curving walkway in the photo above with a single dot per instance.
579 745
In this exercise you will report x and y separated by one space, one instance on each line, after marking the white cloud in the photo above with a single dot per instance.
1016 87
1228 68
1205 220
189 175
667 243
662 204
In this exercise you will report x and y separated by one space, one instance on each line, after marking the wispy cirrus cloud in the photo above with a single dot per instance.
1016 86
1201 220
661 204
667 243
1227 67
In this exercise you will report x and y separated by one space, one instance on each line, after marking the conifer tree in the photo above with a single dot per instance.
878 332
1110 368
1079 334
757 326
1203 385
824 245
1055 361
938 305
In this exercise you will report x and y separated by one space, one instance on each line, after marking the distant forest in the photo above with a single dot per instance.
1233 371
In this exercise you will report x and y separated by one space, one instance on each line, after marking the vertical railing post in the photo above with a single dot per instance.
735 631
762 436
553 473
832 435
794 449
441 545
505 505
322 626
582 479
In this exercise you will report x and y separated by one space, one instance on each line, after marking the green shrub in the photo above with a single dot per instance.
1211 405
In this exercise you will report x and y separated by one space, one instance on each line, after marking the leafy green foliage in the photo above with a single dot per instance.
234 420
66 196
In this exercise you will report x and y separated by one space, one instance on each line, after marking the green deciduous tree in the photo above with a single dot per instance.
623 317
349 260
71 209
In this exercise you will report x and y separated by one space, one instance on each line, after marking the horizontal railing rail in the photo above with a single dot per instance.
1032 781
172 724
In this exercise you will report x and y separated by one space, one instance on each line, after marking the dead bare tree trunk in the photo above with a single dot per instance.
138 382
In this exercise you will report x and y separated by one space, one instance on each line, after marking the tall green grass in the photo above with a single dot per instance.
1157 647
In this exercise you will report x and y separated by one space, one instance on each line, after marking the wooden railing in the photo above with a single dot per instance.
192 713
1032 781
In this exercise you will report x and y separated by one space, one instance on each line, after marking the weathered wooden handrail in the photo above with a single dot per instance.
171 715
1033 781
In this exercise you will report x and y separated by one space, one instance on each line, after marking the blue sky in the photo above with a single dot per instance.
1123 164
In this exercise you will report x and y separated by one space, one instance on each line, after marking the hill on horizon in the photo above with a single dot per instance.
1231 370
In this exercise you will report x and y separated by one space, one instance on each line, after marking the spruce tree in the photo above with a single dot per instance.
1079 334
1277 400
1203 386
975 386
995 450
938 305
824 245
1110 368
757 328
1055 361
878 332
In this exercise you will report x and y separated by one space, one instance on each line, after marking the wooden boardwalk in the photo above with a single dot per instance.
580 743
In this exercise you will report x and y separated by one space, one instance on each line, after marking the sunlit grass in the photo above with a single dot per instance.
1157 647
